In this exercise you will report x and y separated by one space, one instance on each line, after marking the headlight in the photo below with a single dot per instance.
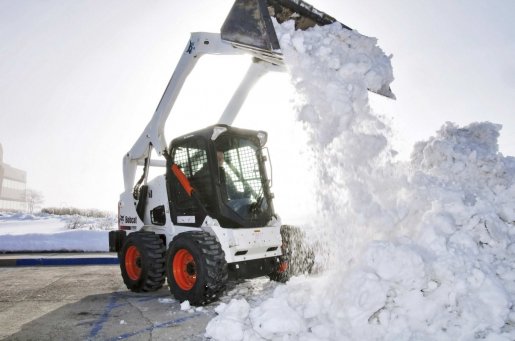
262 136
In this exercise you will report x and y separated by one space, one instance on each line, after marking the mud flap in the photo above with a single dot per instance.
116 239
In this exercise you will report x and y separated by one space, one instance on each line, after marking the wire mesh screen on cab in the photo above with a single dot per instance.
243 169
190 158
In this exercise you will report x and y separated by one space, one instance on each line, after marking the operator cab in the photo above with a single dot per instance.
220 172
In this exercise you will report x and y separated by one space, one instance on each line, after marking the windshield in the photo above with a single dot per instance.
243 180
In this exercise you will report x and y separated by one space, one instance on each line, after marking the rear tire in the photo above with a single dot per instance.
297 258
142 261
196 268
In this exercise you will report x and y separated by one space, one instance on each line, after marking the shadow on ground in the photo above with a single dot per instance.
119 316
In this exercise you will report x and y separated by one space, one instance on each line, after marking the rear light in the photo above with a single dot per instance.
283 266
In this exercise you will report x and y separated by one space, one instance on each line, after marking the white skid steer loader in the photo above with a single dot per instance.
209 217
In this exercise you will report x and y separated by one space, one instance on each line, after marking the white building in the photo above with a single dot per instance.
13 187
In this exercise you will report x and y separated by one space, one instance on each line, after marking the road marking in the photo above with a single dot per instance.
58 261
99 324
155 326
112 304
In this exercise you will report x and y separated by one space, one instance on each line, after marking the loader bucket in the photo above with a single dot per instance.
249 25
249 22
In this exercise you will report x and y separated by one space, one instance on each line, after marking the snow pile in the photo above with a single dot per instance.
16 216
43 232
76 241
229 324
422 251
78 222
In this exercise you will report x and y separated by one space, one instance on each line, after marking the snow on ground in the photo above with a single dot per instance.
41 232
423 250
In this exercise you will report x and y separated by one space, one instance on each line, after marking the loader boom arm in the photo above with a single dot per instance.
199 44
248 29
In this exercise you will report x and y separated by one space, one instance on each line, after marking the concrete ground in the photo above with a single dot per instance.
90 303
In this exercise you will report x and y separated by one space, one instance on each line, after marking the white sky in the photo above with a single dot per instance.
79 80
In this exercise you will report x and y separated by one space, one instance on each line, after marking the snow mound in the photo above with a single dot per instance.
86 241
16 216
45 232
423 250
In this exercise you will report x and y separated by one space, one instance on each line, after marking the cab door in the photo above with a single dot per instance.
190 184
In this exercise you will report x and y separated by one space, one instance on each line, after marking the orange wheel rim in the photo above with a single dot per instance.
133 262
184 269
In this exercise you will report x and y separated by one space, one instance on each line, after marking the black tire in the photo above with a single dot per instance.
196 268
297 258
142 261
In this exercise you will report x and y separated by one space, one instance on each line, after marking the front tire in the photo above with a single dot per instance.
196 268
142 261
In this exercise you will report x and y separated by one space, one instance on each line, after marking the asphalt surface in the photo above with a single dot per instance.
89 302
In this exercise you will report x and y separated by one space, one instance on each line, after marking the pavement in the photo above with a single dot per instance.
81 296
58 259
90 303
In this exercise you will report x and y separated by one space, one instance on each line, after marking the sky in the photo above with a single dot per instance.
80 80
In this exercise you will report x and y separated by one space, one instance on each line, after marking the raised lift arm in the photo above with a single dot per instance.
200 43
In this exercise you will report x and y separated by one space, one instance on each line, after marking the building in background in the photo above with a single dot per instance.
13 187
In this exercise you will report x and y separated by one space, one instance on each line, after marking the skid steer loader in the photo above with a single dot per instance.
209 217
